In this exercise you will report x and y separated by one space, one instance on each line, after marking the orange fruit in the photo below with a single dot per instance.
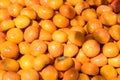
110 49
55 48
11 76
26 62
49 73
38 47
83 76
90 68
14 35
71 74
63 63
5 3
60 21
9 49
91 48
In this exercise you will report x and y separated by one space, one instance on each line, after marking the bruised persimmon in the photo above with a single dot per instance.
49 73
9 49
67 11
60 21
38 47
76 37
63 63
55 48
110 49
91 48
90 68
71 74
10 75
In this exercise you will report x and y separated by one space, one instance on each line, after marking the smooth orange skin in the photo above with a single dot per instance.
9 49
45 12
31 33
38 47
1 74
81 57
11 76
24 47
110 49
91 48
41 61
60 21
104 72
101 35
5 3
29 74
103 8
90 68
74 2
49 73
98 77
63 63
48 25
71 74
9 64
55 49
26 62
45 35
14 9
67 11
99 60
114 32
70 50
93 24
83 76
14 35
114 61
60 36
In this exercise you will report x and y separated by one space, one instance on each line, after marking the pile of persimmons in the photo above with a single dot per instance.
59 40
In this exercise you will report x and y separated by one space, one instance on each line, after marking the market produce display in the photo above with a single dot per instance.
59 39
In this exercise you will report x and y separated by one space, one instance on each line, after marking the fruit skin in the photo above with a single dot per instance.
67 11
49 73
90 68
71 74
104 71
91 48
63 63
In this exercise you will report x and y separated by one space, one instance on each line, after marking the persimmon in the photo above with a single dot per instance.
10 75
9 49
91 48
98 77
1 74
77 64
4 3
49 73
83 76
110 49
63 63
90 68
70 74
38 47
